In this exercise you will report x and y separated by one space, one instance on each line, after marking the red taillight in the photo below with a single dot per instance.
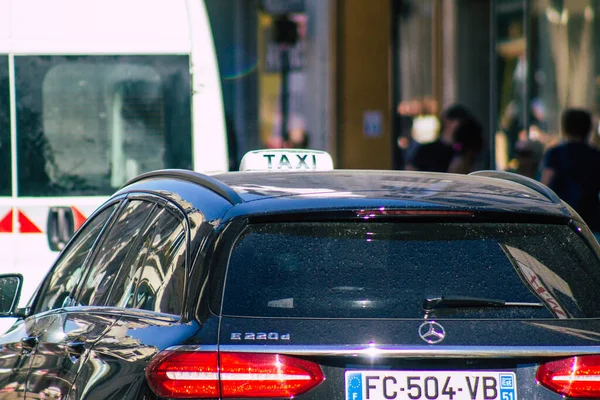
267 375
572 377
180 374
184 374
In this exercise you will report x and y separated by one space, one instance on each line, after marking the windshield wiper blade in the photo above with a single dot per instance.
436 302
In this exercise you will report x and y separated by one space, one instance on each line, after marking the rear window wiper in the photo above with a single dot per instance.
436 302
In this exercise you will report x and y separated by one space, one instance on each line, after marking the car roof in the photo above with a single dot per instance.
368 183
252 193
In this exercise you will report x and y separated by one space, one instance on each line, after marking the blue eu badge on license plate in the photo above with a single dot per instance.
354 386
507 387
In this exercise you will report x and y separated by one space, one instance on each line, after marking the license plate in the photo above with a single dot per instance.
431 385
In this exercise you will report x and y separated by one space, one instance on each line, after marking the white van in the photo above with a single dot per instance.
93 93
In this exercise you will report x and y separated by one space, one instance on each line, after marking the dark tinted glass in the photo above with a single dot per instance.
87 124
386 270
120 240
9 286
5 145
59 286
127 281
154 279
162 281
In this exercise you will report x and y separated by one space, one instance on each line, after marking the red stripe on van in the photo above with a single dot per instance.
6 223
78 217
25 224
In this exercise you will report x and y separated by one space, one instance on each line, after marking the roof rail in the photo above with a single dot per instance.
206 181
523 180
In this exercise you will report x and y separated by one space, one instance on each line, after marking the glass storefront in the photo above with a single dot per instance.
274 61
511 79
417 86
515 64
441 59
265 82
545 63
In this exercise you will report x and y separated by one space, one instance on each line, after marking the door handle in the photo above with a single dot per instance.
29 343
76 348
61 226
52 392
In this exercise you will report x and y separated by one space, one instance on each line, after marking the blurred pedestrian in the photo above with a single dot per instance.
467 146
528 153
437 155
571 168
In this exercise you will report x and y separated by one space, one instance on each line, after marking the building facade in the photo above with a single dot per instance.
365 79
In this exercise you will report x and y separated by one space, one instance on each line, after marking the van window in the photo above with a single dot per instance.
87 124
5 147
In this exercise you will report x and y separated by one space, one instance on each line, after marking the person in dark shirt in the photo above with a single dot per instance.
437 155
571 168
468 144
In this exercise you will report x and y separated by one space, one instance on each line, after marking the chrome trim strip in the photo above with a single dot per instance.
235 376
576 378
418 351
192 376
193 347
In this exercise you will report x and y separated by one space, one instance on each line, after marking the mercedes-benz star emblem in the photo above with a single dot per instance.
432 332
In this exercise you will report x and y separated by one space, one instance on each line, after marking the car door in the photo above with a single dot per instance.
149 293
65 337
19 346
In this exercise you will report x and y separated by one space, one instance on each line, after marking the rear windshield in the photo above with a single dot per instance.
386 270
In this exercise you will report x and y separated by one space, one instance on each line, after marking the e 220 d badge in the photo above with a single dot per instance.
260 336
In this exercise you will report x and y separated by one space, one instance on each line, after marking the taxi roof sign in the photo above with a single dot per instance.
286 160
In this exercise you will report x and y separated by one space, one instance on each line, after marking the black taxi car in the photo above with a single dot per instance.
314 284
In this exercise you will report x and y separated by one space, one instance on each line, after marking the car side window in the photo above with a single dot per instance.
111 254
155 279
59 287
